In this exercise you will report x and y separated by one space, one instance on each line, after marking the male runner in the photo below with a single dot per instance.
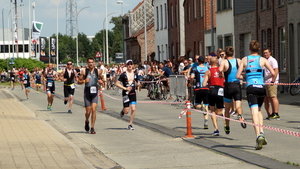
26 81
37 75
232 89
49 77
90 76
129 80
68 76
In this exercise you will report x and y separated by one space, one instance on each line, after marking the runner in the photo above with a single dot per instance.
232 89
49 77
68 76
12 78
201 91
37 75
254 65
21 77
26 80
129 80
216 82
90 76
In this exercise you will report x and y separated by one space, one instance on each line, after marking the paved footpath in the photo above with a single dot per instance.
156 143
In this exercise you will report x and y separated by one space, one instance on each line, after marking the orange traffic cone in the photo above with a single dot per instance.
101 99
188 120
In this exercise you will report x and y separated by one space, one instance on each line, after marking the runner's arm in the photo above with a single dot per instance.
81 79
206 77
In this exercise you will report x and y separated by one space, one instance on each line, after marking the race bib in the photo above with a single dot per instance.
221 92
72 86
25 81
258 86
93 89
125 99
12 78
50 84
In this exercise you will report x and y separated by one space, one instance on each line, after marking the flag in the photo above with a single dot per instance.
36 31
15 32
42 46
52 47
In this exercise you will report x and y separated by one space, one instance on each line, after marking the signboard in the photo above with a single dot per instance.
98 54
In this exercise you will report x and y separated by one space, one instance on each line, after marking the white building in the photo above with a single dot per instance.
9 48
225 24
161 29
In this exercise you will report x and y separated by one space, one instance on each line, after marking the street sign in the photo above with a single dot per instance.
98 54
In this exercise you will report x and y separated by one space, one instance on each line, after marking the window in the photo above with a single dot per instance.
264 4
172 16
263 39
200 8
269 37
166 16
200 47
167 53
220 42
280 2
188 13
223 4
158 52
282 48
195 9
228 40
157 19
161 18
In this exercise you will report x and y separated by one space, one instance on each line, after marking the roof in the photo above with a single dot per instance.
134 9
142 31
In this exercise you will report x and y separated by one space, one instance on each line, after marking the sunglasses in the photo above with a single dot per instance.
129 63
69 63
185 63
222 54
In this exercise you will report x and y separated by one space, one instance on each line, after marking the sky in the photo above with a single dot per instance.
90 20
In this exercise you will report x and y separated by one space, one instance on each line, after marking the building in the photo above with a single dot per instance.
225 24
210 26
244 26
161 29
194 27
135 33
293 29
9 48
176 29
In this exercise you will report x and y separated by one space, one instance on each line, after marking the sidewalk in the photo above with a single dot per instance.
27 142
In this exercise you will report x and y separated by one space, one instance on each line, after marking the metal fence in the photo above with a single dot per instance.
178 86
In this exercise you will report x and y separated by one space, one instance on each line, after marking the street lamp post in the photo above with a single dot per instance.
3 28
57 35
145 29
104 46
121 2
106 31
77 33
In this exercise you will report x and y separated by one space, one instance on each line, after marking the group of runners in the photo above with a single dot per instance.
218 85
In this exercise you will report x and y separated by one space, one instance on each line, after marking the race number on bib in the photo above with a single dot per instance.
93 89
221 92
72 86
25 81
50 84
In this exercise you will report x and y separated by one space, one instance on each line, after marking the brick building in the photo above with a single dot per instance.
209 24
272 32
135 32
176 29
194 27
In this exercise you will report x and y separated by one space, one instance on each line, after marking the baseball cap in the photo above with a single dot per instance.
201 59
212 54
191 59
127 61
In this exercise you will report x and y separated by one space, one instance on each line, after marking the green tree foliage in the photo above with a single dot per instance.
21 62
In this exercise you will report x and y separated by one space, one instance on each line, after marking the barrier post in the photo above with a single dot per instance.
188 120
101 99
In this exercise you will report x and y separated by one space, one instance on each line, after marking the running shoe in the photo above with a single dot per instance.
93 131
69 111
130 127
216 133
205 124
48 107
241 119
227 129
87 127
121 113
260 142
275 116
65 101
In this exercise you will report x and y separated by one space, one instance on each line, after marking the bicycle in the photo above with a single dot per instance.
157 90
295 89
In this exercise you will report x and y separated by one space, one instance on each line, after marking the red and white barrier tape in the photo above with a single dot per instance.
292 133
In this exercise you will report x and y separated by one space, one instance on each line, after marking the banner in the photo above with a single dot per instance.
98 54
52 47
33 50
42 46
36 31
